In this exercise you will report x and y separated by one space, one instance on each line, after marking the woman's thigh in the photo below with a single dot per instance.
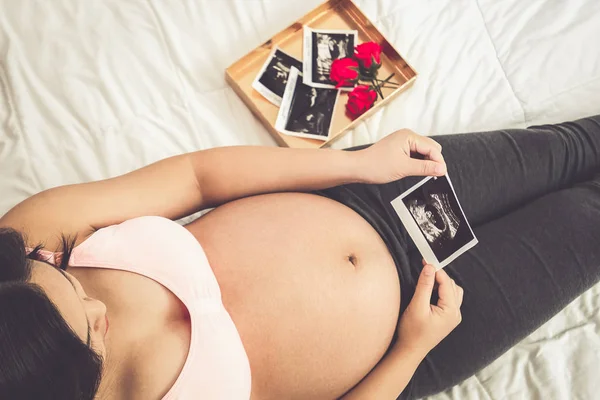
527 266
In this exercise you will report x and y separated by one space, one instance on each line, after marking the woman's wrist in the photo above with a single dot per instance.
357 166
390 377
410 355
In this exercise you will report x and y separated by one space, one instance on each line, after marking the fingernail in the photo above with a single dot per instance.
428 270
440 170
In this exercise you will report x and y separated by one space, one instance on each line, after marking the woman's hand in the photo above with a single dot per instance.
390 159
423 325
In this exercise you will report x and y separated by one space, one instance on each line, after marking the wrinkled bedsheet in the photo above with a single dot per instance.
90 89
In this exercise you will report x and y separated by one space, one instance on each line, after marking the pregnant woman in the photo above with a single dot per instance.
301 283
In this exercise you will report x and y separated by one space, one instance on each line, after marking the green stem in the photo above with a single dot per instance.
379 82
387 83
377 88
386 80
365 77
368 78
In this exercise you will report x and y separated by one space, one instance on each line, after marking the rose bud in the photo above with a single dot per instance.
360 100
344 72
369 55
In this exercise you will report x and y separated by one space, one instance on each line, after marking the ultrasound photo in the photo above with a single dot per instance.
321 48
273 76
436 220
306 111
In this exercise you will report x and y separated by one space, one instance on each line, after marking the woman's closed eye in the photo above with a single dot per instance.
89 329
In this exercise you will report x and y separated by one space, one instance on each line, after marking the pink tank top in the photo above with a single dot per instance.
217 366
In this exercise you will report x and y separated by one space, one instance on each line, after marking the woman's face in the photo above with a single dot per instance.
86 316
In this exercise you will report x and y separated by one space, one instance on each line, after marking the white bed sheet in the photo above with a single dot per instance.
90 89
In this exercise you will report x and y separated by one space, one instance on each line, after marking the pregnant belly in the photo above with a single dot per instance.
311 287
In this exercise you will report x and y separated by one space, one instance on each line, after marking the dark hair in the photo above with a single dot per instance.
41 357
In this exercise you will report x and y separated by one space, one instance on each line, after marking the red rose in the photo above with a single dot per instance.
344 72
360 100
368 53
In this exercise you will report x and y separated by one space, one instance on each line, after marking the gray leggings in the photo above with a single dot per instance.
532 197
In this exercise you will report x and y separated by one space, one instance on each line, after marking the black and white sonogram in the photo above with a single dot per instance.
306 111
271 80
321 48
435 221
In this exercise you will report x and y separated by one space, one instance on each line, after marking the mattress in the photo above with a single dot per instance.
93 89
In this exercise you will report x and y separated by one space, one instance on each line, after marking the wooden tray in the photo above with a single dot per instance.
333 14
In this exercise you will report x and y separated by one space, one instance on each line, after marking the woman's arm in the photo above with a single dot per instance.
421 328
229 173
181 185
389 378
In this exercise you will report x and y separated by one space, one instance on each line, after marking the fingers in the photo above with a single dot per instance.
416 167
434 165
435 284
427 147
424 289
458 292
450 294
446 290
435 155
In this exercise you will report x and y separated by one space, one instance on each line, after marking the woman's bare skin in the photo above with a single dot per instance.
309 284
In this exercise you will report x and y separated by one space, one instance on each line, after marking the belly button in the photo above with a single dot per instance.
352 259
